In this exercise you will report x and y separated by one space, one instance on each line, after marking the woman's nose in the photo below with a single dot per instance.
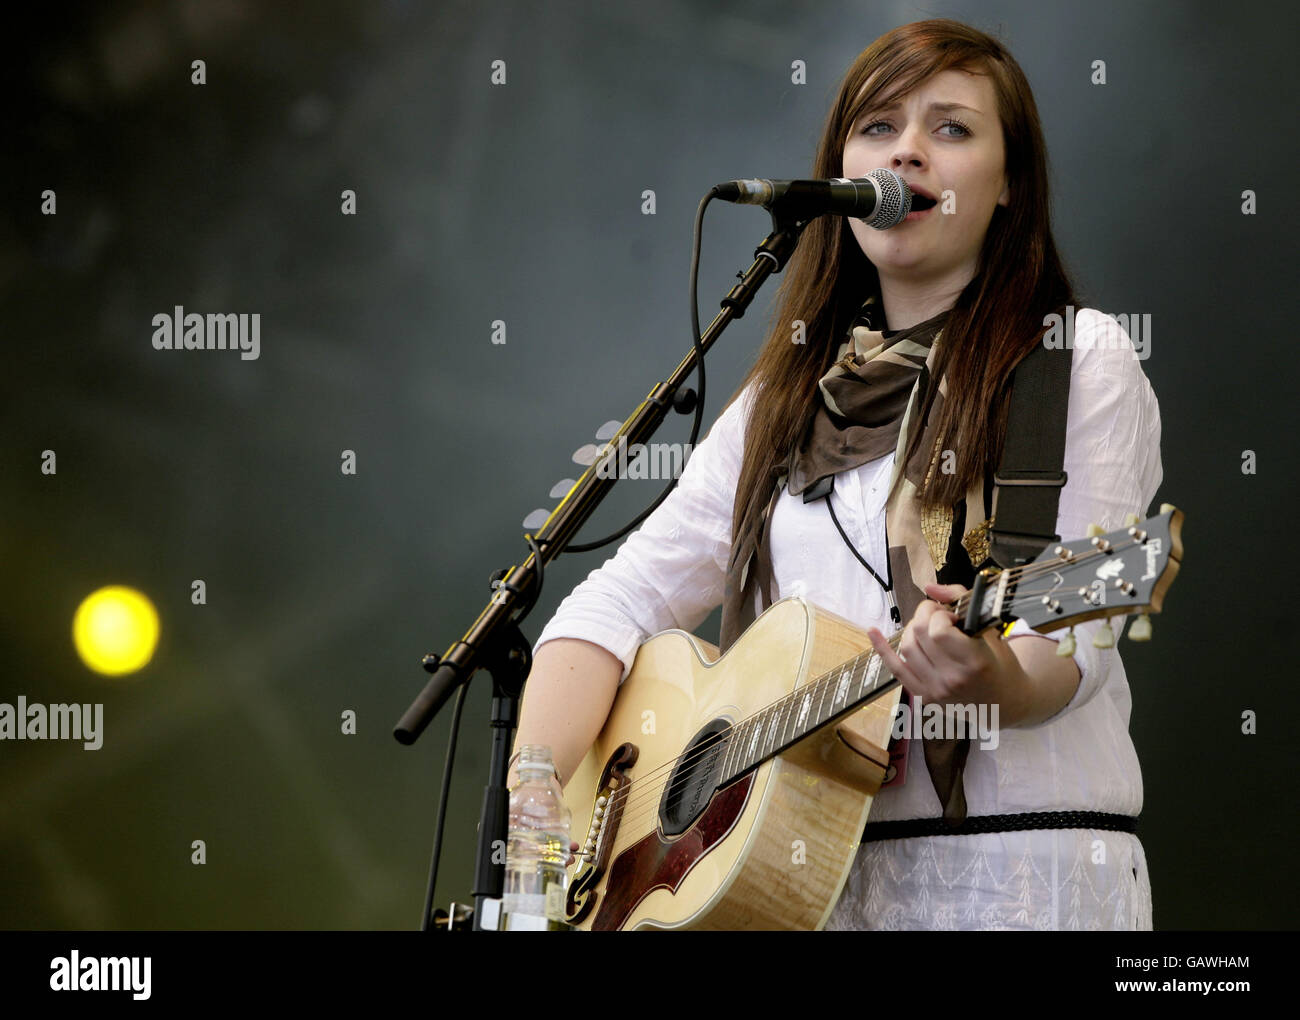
906 156
907 151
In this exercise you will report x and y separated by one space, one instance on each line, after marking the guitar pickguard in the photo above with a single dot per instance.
657 863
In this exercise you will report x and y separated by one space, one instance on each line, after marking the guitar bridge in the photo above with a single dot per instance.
595 853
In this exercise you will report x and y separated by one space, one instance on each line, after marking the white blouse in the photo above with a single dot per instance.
670 574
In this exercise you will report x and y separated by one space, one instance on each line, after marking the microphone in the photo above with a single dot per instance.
881 199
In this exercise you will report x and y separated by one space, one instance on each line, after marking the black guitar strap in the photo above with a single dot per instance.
1028 482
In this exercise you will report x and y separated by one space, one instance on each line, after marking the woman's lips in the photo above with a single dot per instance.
921 204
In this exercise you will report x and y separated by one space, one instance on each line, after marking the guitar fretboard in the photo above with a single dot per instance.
787 721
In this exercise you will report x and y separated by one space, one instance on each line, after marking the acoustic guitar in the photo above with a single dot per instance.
730 792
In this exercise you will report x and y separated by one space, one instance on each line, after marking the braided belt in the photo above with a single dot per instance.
912 827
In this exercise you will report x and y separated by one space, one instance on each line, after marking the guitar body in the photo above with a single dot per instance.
771 849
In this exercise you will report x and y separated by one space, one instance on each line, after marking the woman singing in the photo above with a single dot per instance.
899 396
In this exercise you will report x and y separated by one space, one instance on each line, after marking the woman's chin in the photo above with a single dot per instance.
898 260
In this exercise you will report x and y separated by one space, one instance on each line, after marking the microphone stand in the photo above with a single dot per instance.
494 641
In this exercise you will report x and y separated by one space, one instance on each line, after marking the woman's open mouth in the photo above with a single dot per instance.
921 206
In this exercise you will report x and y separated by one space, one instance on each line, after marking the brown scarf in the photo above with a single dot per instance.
871 405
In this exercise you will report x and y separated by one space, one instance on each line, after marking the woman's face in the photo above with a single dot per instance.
942 137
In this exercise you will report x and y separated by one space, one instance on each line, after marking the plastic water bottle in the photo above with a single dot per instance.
537 848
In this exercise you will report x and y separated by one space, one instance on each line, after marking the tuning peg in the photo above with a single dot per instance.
1065 646
1166 507
1140 629
536 519
1130 520
1105 637
1094 530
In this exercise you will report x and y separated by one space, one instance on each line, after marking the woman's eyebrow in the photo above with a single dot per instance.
932 108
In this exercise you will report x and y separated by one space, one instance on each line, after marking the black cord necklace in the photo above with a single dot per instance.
822 490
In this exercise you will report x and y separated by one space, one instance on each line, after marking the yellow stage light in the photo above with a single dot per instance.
115 630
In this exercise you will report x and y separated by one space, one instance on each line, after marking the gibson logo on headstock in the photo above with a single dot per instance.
1153 554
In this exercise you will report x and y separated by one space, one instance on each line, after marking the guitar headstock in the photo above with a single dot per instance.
1120 572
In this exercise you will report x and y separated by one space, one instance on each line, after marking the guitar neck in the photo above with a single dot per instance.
805 710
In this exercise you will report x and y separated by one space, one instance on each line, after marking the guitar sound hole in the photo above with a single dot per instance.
695 779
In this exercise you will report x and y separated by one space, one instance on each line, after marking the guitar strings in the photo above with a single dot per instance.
649 792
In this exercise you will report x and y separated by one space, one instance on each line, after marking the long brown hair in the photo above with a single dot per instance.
997 318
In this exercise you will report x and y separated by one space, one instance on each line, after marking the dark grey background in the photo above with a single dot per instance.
522 203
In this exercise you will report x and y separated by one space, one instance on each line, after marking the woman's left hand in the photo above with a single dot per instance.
942 664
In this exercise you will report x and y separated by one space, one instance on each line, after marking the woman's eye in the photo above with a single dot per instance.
962 129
